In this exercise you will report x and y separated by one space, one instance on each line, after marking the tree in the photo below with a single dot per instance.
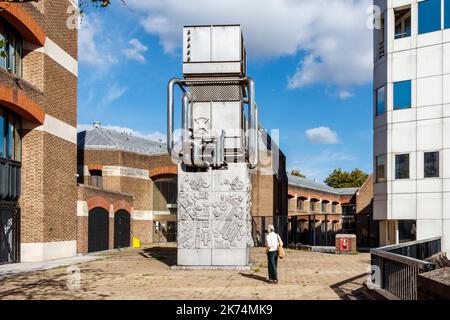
297 173
344 179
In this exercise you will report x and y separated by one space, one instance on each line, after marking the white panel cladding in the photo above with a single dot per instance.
405 115
446 205
427 229
446 86
429 39
403 65
403 137
446 235
446 57
431 112
381 136
429 91
429 206
380 208
429 61
446 134
403 206
446 112
429 134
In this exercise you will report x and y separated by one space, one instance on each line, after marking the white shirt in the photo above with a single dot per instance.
272 240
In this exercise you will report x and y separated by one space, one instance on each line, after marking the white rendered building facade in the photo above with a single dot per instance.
412 121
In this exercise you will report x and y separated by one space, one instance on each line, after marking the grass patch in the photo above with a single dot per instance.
257 270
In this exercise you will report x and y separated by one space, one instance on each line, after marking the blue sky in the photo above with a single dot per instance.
312 70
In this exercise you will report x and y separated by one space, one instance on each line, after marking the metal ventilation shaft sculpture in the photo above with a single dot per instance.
215 149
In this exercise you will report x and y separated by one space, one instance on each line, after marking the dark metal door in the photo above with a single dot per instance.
122 229
98 230
9 232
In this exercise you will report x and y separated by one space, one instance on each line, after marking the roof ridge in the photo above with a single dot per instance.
107 137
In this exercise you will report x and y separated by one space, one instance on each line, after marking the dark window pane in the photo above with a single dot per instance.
447 14
429 16
2 134
402 166
2 49
402 95
18 140
11 153
403 23
381 101
380 167
431 162
407 230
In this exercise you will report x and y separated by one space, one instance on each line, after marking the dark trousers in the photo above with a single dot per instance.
272 263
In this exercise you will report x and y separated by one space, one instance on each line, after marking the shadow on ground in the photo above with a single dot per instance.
255 277
344 292
166 255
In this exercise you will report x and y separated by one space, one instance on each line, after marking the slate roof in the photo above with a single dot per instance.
315 185
101 138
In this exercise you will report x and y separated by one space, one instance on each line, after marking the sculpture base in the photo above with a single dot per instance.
213 257
212 268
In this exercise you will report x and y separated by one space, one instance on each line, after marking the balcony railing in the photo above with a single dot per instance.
395 268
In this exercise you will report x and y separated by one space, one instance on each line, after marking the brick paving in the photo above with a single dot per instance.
145 274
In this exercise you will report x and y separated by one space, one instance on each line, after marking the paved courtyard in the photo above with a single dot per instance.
145 274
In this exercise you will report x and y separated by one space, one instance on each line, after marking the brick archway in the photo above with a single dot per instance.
163 170
23 22
122 205
21 104
98 202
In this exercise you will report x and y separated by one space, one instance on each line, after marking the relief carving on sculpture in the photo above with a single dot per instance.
203 234
195 182
235 185
186 234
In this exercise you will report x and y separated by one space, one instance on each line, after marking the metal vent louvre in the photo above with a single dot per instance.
214 89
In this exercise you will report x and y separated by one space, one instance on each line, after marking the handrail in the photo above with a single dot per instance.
406 244
423 265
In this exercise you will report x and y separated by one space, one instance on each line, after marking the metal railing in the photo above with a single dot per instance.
395 268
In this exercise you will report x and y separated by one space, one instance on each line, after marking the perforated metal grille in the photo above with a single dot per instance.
216 90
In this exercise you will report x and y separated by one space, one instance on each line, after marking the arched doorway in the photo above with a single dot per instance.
98 230
122 229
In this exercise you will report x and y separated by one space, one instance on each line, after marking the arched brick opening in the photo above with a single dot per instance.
23 22
163 171
21 104
98 202
122 205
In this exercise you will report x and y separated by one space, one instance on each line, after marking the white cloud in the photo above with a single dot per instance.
344 94
322 135
114 92
320 165
136 51
91 45
157 136
332 35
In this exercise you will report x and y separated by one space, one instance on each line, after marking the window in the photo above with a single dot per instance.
381 101
164 195
96 178
402 23
12 47
324 206
402 95
407 230
312 205
333 208
431 164
381 45
2 134
429 16
301 203
381 168
348 209
402 166
10 136
447 14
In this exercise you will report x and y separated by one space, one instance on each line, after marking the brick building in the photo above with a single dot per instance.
38 112
118 168
318 212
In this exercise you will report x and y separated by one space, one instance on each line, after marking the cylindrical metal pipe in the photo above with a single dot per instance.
170 110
